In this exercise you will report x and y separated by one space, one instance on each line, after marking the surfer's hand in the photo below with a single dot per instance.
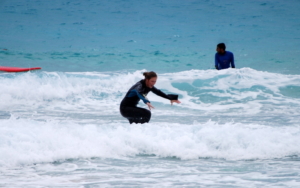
176 101
149 105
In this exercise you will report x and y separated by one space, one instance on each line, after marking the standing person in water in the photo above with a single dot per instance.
128 107
223 59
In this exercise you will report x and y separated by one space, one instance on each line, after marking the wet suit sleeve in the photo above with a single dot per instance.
232 61
162 94
216 62
136 91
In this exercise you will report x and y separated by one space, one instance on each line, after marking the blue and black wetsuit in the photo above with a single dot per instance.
223 61
137 92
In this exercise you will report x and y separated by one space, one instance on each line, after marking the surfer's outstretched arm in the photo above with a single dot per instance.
173 98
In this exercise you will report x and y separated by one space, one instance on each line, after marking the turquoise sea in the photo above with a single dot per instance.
61 126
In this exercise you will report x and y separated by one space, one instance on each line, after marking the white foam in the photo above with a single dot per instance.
27 141
248 90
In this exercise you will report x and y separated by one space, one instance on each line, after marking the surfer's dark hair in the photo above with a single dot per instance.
149 75
221 46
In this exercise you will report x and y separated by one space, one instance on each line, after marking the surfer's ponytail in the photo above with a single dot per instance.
149 75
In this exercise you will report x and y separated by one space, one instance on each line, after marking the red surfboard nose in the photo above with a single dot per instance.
18 69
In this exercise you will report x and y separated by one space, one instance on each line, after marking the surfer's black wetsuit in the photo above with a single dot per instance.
128 107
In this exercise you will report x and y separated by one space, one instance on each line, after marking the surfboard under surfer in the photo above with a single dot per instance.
139 91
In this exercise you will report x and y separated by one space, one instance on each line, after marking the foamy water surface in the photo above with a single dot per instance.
69 124
61 126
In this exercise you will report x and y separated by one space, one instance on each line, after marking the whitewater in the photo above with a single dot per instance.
71 120
61 126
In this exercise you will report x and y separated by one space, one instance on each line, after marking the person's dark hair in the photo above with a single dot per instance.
221 46
149 75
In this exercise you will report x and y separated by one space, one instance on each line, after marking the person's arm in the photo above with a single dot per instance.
171 97
232 61
216 62
147 102
162 94
136 91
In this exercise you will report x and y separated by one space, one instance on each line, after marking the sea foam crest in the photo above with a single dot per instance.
27 141
208 90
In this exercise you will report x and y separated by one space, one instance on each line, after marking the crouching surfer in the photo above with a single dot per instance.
139 91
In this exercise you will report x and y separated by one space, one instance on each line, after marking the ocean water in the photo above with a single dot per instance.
61 126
